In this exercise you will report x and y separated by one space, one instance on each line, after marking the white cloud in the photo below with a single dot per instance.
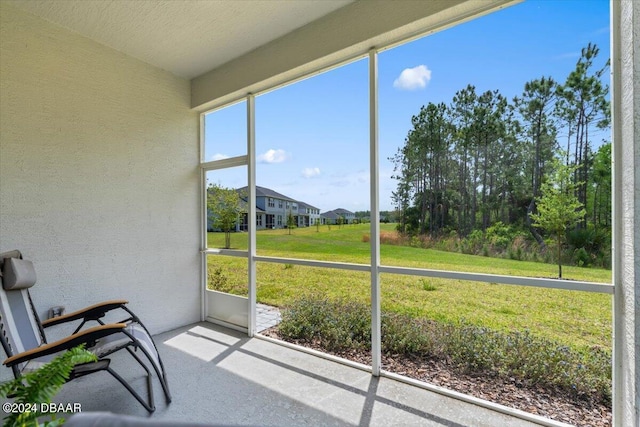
310 172
273 156
351 179
568 55
413 78
218 156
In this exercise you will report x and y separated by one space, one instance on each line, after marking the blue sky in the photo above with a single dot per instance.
312 137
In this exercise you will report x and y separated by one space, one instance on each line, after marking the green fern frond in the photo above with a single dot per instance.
42 385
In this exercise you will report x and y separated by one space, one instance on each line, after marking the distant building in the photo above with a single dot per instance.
273 209
333 217
308 215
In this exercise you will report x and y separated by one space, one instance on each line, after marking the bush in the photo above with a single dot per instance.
392 238
511 242
589 246
485 250
217 280
335 325
474 349
339 326
408 338
499 235
581 258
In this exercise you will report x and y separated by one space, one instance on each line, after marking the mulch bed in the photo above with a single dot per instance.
508 392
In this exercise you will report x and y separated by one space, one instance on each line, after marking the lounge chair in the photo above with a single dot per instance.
23 338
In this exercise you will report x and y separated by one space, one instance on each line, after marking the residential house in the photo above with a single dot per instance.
337 215
272 208
308 215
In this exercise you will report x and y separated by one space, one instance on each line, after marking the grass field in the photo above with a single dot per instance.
576 319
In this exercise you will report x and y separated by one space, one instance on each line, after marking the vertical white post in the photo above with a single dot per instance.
625 109
251 220
376 355
203 226
203 255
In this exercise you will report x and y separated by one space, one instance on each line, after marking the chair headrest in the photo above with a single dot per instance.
17 274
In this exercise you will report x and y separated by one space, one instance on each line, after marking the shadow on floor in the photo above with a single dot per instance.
220 376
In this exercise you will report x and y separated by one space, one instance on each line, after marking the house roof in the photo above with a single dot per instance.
245 206
306 205
267 192
341 211
336 212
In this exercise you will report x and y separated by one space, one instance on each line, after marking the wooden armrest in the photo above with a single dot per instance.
93 312
88 336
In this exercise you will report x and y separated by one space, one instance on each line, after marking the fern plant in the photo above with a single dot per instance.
38 387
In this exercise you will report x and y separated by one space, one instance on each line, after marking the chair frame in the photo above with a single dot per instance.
89 337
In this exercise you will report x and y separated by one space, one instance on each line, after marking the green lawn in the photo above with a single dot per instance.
577 319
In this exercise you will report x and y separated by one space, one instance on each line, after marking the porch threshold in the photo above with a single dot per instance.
220 376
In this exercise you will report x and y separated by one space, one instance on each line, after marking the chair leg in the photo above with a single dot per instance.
162 375
149 406
146 368
159 370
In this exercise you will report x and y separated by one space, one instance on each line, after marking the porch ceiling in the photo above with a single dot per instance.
186 38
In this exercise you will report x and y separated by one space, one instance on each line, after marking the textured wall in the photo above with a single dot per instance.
627 157
99 183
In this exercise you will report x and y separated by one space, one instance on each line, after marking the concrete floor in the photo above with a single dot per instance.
220 377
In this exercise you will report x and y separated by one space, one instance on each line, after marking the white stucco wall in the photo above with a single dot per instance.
99 183
626 109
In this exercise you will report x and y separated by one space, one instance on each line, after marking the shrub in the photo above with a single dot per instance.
581 258
335 325
499 235
339 326
485 250
408 338
473 243
590 239
391 238
450 243
519 246
217 280
475 349
589 246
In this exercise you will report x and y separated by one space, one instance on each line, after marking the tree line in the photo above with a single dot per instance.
483 159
